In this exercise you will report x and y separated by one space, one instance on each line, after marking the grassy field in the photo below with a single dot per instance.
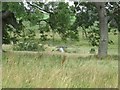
43 70
60 70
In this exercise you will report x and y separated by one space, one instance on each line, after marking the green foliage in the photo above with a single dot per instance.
43 29
16 7
6 37
60 21
27 42
27 46
94 34
113 12
34 17
22 13
10 35
92 50
87 15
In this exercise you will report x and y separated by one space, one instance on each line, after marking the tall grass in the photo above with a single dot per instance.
39 70
53 70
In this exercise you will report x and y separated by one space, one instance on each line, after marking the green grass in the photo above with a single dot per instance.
43 70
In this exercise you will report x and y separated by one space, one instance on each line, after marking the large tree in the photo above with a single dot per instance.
105 10
103 44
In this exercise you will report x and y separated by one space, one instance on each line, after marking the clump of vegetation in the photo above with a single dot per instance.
29 46
28 42
92 50
10 35
43 30
94 34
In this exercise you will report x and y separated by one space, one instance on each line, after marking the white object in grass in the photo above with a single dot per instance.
61 50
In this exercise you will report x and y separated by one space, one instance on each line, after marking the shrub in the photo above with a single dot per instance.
27 42
92 51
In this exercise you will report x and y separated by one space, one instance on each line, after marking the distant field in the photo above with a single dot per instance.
80 47
44 70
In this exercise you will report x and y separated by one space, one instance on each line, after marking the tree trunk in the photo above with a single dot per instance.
103 44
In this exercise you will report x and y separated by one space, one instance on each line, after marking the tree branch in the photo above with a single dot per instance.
38 7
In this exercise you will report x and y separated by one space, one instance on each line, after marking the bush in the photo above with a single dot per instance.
92 51
29 46
27 42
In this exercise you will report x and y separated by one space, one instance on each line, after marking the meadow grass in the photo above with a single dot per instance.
39 70
45 69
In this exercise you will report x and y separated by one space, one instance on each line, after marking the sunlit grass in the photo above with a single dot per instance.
46 71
